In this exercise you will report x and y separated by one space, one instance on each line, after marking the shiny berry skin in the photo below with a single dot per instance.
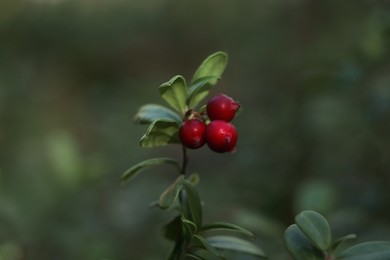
222 107
221 136
192 133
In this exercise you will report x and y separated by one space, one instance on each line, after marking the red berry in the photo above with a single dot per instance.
222 107
221 136
192 133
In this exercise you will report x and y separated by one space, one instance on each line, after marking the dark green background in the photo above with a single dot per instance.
313 78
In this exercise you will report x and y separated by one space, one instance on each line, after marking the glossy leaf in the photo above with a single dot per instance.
174 92
160 133
299 246
173 229
203 243
199 90
339 241
136 169
169 196
152 112
220 226
191 204
213 66
315 227
379 250
235 244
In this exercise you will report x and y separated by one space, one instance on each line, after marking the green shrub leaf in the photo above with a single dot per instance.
173 229
299 246
195 257
199 90
136 169
235 244
221 226
169 196
160 133
203 243
189 226
191 204
206 76
213 66
367 251
174 92
339 241
202 254
315 227
152 112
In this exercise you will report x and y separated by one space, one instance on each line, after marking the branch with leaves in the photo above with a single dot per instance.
191 238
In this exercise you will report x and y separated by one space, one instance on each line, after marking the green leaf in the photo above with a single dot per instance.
315 227
235 244
174 92
203 243
191 204
152 112
160 133
213 66
136 169
199 90
299 246
169 196
339 241
379 250
189 227
218 226
202 254
176 251
191 256
173 229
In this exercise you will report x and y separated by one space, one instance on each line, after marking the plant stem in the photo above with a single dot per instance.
184 160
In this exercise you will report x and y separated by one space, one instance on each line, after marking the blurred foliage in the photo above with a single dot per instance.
312 77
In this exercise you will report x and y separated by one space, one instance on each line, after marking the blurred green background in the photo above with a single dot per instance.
313 78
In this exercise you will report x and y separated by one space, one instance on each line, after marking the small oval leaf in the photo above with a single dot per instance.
315 227
213 66
152 112
299 246
191 204
218 226
379 250
203 254
203 243
174 92
199 90
136 169
169 196
160 133
173 229
339 241
189 226
236 244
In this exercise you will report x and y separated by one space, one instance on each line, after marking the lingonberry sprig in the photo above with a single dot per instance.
191 128
220 135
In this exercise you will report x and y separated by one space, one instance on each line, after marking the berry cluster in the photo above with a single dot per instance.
215 129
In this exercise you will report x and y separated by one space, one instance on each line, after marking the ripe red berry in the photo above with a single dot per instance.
221 136
222 107
192 133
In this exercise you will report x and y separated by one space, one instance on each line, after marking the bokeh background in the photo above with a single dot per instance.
313 78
